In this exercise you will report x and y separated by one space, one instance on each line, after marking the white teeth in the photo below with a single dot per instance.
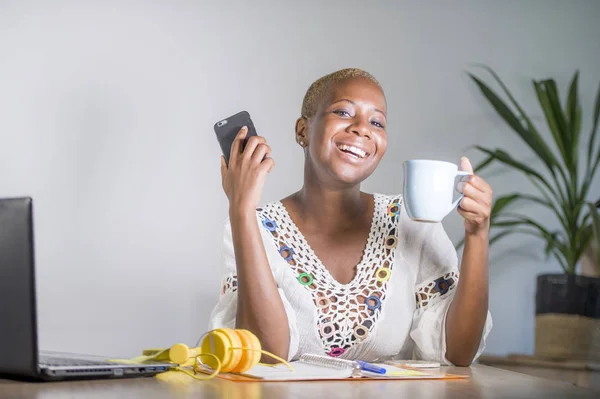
355 151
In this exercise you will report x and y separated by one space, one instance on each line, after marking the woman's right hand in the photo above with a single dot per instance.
244 178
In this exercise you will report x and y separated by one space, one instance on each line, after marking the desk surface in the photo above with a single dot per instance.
532 361
485 382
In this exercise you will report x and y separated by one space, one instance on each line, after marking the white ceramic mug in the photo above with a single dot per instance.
429 189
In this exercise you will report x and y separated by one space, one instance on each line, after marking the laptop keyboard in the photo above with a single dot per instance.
63 361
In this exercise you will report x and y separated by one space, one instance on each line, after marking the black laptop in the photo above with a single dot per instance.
19 354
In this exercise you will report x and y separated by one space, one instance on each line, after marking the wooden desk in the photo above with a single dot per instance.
579 372
485 382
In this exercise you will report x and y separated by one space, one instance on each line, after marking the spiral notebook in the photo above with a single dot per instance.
315 367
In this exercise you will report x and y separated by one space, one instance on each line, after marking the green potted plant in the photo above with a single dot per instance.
567 304
590 264
595 212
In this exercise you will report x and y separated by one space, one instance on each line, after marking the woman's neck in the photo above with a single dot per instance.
330 209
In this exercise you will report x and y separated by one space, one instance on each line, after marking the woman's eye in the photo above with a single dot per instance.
379 125
341 112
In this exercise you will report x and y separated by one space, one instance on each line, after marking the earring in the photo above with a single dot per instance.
301 143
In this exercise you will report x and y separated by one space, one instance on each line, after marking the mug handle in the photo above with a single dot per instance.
461 196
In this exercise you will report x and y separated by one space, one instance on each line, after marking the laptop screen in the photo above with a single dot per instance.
18 325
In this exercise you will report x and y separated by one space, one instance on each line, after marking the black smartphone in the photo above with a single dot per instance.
227 129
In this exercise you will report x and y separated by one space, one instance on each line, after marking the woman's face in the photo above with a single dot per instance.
347 135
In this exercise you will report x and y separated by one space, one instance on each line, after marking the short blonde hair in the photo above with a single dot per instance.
320 87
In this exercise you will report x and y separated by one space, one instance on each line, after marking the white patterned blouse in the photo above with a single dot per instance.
395 305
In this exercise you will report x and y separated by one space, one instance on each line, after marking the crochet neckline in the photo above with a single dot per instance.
367 249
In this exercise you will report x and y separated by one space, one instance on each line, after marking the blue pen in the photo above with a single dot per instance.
371 367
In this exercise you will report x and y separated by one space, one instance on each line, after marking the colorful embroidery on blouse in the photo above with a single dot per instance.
229 284
436 288
346 313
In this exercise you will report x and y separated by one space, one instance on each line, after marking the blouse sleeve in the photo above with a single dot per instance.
223 314
435 289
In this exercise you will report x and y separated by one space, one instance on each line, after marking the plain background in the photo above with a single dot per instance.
106 115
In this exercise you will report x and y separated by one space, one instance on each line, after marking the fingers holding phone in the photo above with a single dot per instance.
244 178
245 163
255 144
237 146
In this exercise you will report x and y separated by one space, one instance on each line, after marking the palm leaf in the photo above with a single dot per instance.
551 160
548 97
569 139
502 202
560 190
550 87
592 161
561 261
551 237
531 137
483 164
518 220
596 227
573 114
561 251
594 127
551 243
505 158
498 236
529 134
505 233
549 249
582 240
551 119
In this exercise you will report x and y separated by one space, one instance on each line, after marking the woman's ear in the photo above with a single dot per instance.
301 131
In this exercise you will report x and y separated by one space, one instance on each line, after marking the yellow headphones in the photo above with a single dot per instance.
225 350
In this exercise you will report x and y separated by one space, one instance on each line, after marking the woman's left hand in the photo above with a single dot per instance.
476 205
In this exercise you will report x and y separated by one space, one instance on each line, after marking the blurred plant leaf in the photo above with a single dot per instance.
562 191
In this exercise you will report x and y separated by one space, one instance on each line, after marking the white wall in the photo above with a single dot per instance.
106 114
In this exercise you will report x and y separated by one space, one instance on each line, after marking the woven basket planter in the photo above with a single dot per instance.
567 324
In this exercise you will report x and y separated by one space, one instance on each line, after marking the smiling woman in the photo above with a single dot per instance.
331 269
345 115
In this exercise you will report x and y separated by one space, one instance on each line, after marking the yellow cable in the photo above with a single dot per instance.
266 353
196 368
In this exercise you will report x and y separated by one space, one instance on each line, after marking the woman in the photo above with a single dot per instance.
333 270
